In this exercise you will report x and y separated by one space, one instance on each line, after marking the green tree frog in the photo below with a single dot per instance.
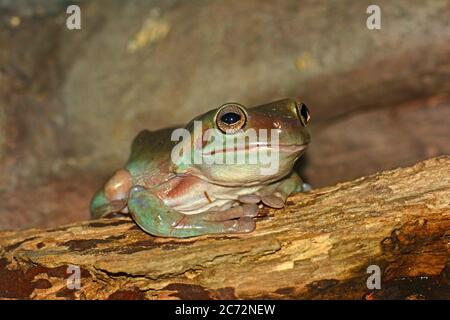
214 175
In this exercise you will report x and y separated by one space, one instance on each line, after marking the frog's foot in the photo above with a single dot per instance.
109 209
249 210
199 225
154 217
237 219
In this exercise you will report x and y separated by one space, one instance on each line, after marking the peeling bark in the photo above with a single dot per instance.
319 246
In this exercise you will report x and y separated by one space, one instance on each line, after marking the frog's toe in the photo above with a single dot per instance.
250 210
242 225
273 201
249 198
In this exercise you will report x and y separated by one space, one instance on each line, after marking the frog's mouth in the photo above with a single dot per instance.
284 148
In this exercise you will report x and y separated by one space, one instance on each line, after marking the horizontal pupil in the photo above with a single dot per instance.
230 118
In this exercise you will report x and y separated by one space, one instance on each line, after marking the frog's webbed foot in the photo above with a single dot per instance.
154 217
249 210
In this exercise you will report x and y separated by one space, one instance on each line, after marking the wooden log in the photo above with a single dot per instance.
319 246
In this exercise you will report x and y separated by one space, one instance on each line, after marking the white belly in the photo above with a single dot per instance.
201 198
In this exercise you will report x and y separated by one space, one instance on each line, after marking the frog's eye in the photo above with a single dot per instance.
303 114
231 117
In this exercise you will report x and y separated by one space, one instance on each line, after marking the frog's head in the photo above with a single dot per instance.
236 146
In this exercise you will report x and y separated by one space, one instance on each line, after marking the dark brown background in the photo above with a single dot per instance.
71 101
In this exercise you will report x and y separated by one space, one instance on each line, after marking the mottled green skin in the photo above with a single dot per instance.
184 200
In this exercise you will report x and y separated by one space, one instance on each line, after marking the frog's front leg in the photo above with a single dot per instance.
275 195
156 218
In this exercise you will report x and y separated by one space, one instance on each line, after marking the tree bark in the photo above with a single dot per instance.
319 246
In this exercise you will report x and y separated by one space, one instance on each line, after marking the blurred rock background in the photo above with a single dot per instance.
72 100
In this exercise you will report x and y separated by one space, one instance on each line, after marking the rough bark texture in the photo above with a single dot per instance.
319 246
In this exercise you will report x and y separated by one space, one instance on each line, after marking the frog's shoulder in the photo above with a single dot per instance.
151 148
